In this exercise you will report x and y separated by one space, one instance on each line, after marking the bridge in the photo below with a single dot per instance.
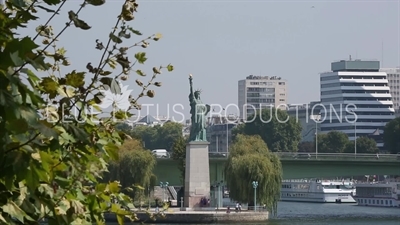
298 166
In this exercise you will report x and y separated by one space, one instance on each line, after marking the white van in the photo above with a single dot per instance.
160 153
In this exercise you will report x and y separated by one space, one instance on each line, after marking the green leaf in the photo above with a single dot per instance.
46 190
120 219
113 187
22 46
115 39
75 79
106 81
77 22
96 2
17 126
105 73
122 115
141 57
49 85
79 133
139 72
100 187
29 114
16 212
112 63
157 37
66 91
37 61
170 68
45 128
77 206
52 2
114 87
112 150
134 31
2 219
19 3
35 175
46 9
16 59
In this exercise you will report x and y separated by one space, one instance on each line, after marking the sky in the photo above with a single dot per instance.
221 42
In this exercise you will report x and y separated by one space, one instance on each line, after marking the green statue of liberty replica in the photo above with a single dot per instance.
197 172
198 112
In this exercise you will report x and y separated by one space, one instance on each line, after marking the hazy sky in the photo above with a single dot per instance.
221 42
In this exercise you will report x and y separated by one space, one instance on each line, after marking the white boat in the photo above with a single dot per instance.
382 193
315 190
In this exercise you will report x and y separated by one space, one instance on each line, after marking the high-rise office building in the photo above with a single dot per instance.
359 83
257 92
393 76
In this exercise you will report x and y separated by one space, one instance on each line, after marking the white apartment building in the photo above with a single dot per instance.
258 92
362 84
393 76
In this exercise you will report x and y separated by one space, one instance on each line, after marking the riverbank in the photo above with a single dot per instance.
198 217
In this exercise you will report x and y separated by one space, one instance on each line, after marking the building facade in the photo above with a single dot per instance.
356 99
257 92
393 76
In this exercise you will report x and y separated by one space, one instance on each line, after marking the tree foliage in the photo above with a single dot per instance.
159 136
307 146
126 128
133 168
279 131
391 136
338 142
250 160
332 142
179 155
364 145
239 129
51 159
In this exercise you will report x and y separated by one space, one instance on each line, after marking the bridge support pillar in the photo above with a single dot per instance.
197 173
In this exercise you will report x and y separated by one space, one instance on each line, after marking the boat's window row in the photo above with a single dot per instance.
371 192
296 186
295 195
376 202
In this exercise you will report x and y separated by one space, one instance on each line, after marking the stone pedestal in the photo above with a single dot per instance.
197 173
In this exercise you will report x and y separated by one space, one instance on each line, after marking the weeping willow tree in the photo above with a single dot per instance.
250 160
134 168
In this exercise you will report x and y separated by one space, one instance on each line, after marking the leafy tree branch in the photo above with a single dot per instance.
53 160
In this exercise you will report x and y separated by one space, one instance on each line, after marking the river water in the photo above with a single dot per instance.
332 214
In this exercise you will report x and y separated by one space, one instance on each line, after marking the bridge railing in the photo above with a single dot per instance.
325 156
337 156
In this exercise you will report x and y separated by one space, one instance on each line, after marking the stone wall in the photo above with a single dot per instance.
201 217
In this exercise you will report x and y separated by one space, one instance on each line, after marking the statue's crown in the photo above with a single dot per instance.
198 91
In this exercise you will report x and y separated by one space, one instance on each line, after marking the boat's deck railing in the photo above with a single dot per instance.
387 181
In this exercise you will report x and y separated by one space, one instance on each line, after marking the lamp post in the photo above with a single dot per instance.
227 136
216 141
164 186
218 194
148 192
355 133
255 184
227 131
181 202
355 139
316 118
